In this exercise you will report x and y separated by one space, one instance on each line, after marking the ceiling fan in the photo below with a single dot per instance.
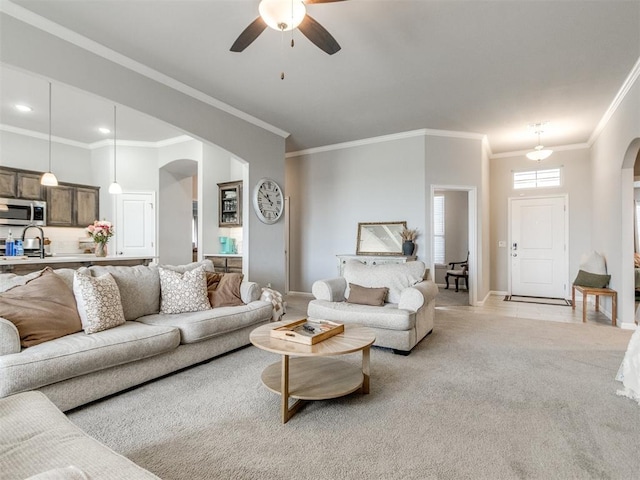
284 15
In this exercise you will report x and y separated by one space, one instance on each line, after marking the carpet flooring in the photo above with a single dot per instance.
482 397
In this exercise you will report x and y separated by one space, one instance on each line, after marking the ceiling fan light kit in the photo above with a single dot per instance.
283 15
539 152
286 15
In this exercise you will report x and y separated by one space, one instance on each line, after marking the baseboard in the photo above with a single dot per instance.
301 294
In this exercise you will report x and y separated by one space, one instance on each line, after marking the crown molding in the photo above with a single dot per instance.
617 100
96 48
99 144
424 132
42 136
559 148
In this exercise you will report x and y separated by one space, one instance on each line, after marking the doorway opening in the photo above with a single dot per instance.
454 240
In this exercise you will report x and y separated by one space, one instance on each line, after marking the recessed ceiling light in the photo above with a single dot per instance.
23 108
104 130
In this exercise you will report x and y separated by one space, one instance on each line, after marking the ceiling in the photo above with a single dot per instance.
486 67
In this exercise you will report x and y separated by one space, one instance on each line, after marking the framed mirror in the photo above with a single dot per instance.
380 238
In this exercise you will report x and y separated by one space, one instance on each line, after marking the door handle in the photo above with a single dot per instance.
515 246
515 254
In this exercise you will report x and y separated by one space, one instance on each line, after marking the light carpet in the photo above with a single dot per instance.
481 397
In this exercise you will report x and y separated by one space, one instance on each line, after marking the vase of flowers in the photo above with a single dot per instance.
408 237
100 232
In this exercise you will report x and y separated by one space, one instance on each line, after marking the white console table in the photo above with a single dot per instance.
373 260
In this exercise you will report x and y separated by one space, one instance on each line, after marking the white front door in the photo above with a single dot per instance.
539 247
136 224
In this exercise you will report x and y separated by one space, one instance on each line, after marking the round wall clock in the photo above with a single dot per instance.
268 201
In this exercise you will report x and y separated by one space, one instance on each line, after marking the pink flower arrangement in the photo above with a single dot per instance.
100 231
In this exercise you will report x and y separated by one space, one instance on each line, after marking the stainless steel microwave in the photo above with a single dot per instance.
14 211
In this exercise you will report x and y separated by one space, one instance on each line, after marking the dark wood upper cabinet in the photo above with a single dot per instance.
8 187
61 206
29 186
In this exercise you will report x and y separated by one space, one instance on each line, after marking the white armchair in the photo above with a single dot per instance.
404 319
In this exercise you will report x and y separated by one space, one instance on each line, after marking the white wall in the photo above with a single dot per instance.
69 163
612 160
576 184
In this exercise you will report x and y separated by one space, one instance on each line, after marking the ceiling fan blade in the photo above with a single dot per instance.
318 35
322 1
249 34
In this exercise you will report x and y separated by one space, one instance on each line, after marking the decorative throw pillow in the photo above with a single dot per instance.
207 264
224 289
183 292
591 280
636 260
593 262
367 295
98 301
42 309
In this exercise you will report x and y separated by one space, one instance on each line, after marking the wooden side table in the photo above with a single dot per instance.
607 292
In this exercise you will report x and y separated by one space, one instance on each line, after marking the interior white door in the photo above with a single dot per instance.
136 224
539 247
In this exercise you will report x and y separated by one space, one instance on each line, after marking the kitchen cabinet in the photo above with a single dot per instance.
16 183
230 204
28 186
70 205
226 263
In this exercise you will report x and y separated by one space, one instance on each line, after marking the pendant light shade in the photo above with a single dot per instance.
114 188
49 179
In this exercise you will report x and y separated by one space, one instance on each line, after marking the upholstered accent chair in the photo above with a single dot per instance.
400 317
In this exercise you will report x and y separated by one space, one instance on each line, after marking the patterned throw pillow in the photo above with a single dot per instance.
98 300
183 292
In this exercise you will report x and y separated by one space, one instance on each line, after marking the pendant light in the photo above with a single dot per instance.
539 152
49 179
114 188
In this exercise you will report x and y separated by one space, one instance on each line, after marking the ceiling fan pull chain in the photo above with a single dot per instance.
282 52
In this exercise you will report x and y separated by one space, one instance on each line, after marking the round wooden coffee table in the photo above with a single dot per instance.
310 375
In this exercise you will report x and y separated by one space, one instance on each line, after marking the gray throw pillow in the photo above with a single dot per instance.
591 280
367 295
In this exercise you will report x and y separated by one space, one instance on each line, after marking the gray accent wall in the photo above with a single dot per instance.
384 180
30 49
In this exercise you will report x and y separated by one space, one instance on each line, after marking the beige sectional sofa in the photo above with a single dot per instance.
405 315
79 368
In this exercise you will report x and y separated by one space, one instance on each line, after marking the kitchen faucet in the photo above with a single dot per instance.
41 238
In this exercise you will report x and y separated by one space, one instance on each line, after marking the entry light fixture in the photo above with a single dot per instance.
104 130
23 108
114 188
49 179
539 152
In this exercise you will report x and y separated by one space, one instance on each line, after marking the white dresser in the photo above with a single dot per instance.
373 260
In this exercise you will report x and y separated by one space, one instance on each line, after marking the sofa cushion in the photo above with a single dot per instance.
223 289
388 317
395 276
98 300
207 264
197 326
79 354
42 309
36 437
139 287
183 292
367 295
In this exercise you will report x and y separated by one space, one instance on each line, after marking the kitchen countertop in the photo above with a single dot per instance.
238 255
81 257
